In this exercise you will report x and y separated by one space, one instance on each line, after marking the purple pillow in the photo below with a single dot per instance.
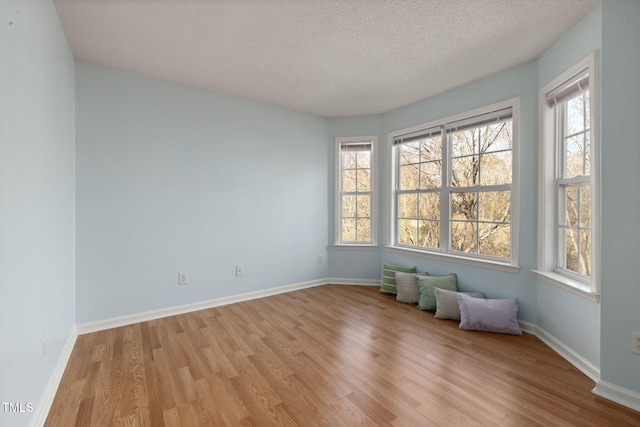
489 315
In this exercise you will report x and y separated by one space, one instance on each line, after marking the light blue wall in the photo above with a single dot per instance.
572 319
37 220
174 179
620 194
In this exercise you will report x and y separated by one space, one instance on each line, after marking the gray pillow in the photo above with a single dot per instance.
407 287
388 285
447 306
489 315
427 284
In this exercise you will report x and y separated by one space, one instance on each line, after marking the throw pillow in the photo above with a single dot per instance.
407 287
427 284
447 306
389 277
489 315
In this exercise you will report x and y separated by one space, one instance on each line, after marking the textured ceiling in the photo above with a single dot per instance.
325 57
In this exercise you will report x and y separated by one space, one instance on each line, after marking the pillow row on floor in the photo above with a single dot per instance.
440 294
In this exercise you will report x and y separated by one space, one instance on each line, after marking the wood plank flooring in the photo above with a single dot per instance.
324 356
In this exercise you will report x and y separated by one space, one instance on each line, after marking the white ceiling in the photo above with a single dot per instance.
325 57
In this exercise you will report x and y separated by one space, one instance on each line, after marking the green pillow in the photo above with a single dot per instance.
426 284
389 277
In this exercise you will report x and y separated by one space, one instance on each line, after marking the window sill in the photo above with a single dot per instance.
495 265
571 285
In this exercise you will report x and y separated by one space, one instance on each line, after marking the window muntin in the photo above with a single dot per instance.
355 163
453 187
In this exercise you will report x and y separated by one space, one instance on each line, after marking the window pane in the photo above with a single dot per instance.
408 206
349 159
585 206
348 206
364 180
495 168
463 206
348 229
349 180
429 234
572 242
431 175
408 232
431 149
409 177
496 137
464 143
464 171
571 202
409 153
463 237
363 159
364 230
429 206
574 156
494 206
495 240
575 115
585 252
363 208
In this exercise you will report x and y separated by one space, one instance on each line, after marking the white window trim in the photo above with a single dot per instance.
476 260
547 197
373 140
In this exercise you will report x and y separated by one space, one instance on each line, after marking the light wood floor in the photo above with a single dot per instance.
325 356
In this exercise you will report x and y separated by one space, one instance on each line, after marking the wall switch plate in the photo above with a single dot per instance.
183 278
239 270
635 342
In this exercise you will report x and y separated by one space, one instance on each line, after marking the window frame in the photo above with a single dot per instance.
550 196
373 193
445 251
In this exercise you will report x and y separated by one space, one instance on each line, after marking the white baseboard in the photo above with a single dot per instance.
609 391
582 364
117 322
42 410
527 327
356 282
617 394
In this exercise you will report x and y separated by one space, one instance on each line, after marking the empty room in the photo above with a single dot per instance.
319 212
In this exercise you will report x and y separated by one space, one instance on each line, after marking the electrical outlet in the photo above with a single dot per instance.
183 278
635 342
43 346
239 270
320 259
